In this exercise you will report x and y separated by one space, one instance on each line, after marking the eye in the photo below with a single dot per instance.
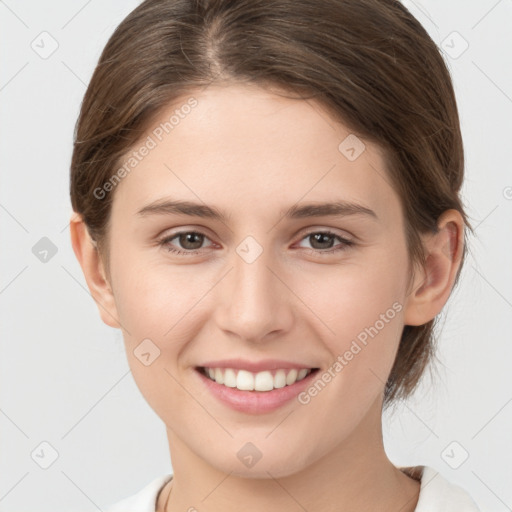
189 240
322 240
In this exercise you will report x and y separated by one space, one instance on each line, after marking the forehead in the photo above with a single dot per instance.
248 150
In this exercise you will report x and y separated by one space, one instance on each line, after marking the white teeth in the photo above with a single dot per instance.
302 373
219 377
229 378
280 379
261 381
245 380
291 377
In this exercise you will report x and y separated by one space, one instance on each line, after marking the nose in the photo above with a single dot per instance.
253 301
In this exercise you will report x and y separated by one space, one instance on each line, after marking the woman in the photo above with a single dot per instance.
266 202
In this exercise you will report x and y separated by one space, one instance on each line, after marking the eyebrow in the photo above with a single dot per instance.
314 209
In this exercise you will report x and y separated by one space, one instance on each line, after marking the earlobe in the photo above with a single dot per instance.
88 256
433 285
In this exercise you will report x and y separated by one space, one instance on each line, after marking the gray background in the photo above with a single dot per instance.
65 381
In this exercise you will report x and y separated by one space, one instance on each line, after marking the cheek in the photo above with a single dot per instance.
158 308
362 305
151 297
349 298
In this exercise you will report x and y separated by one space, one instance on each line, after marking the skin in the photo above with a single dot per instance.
252 153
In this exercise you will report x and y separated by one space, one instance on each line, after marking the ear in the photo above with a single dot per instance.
92 266
433 284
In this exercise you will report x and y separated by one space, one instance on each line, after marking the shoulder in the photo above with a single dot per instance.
142 501
437 494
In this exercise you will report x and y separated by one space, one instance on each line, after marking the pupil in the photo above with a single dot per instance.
319 236
189 238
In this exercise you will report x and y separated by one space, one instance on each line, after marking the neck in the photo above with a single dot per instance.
356 473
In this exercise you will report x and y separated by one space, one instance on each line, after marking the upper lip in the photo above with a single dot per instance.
255 366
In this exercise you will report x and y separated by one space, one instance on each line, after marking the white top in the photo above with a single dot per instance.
436 495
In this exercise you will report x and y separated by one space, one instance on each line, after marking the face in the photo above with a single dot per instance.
266 280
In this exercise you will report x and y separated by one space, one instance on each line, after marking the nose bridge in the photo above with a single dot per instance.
253 301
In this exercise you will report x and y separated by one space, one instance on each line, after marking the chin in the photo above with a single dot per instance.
265 471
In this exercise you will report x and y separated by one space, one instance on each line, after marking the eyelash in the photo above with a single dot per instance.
346 244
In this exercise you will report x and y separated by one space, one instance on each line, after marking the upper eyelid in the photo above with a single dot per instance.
332 231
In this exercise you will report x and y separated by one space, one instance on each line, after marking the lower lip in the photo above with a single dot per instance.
256 402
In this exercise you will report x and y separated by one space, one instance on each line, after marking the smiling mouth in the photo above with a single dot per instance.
244 380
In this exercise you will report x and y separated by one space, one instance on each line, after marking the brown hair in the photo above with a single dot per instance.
370 63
